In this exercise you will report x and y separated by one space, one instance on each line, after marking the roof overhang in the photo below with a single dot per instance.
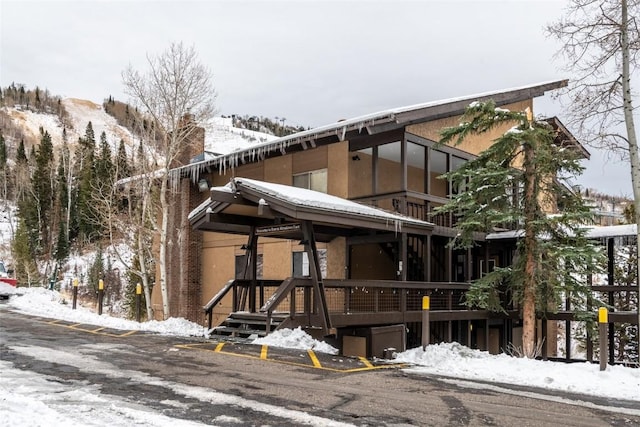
275 209
564 138
366 125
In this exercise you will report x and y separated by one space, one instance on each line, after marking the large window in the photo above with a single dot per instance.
456 163
438 166
416 178
312 180
389 167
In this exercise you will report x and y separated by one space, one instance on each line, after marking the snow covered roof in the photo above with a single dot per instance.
593 233
294 203
364 125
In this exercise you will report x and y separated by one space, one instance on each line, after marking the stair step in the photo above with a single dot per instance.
247 315
239 332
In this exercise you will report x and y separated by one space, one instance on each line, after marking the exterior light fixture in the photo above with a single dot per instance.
203 185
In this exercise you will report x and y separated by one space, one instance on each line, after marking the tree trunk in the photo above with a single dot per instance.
142 250
633 141
530 250
164 230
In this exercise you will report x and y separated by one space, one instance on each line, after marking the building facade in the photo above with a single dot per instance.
389 160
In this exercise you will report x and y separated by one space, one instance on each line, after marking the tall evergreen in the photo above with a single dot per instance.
62 205
512 182
104 165
3 151
22 177
42 185
85 160
61 251
123 169
25 268
4 173
22 152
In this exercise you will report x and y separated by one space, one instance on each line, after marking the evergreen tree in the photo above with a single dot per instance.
104 164
3 151
123 169
42 184
22 152
511 183
22 177
62 244
26 271
86 214
62 184
4 173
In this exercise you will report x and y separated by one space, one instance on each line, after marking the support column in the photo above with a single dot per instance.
316 277
251 267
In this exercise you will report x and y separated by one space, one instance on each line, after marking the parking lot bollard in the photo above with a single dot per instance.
75 292
603 320
425 322
100 295
138 301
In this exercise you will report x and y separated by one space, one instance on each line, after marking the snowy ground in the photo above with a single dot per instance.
454 362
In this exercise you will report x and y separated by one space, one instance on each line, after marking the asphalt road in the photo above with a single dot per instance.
210 382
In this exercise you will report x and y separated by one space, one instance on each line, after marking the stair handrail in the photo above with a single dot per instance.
208 308
278 296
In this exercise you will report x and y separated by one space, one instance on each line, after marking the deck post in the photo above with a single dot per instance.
320 300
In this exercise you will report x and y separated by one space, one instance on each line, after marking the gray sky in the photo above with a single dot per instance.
311 62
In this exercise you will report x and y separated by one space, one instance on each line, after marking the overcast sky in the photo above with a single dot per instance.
310 62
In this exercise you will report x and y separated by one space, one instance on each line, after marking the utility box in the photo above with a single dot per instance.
354 346
373 341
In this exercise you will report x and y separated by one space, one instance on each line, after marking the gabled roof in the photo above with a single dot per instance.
245 202
369 124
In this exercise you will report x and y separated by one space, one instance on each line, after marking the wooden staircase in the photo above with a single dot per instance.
242 324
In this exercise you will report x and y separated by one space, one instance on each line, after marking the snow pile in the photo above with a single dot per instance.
296 339
458 361
45 303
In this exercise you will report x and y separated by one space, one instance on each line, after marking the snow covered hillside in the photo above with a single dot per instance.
81 112
221 137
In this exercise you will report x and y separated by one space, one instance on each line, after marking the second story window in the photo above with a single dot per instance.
312 180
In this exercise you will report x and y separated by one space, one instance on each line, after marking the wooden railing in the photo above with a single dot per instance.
366 300
246 294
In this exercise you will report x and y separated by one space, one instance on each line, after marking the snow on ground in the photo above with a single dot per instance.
450 360
295 338
457 361
46 303
39 400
